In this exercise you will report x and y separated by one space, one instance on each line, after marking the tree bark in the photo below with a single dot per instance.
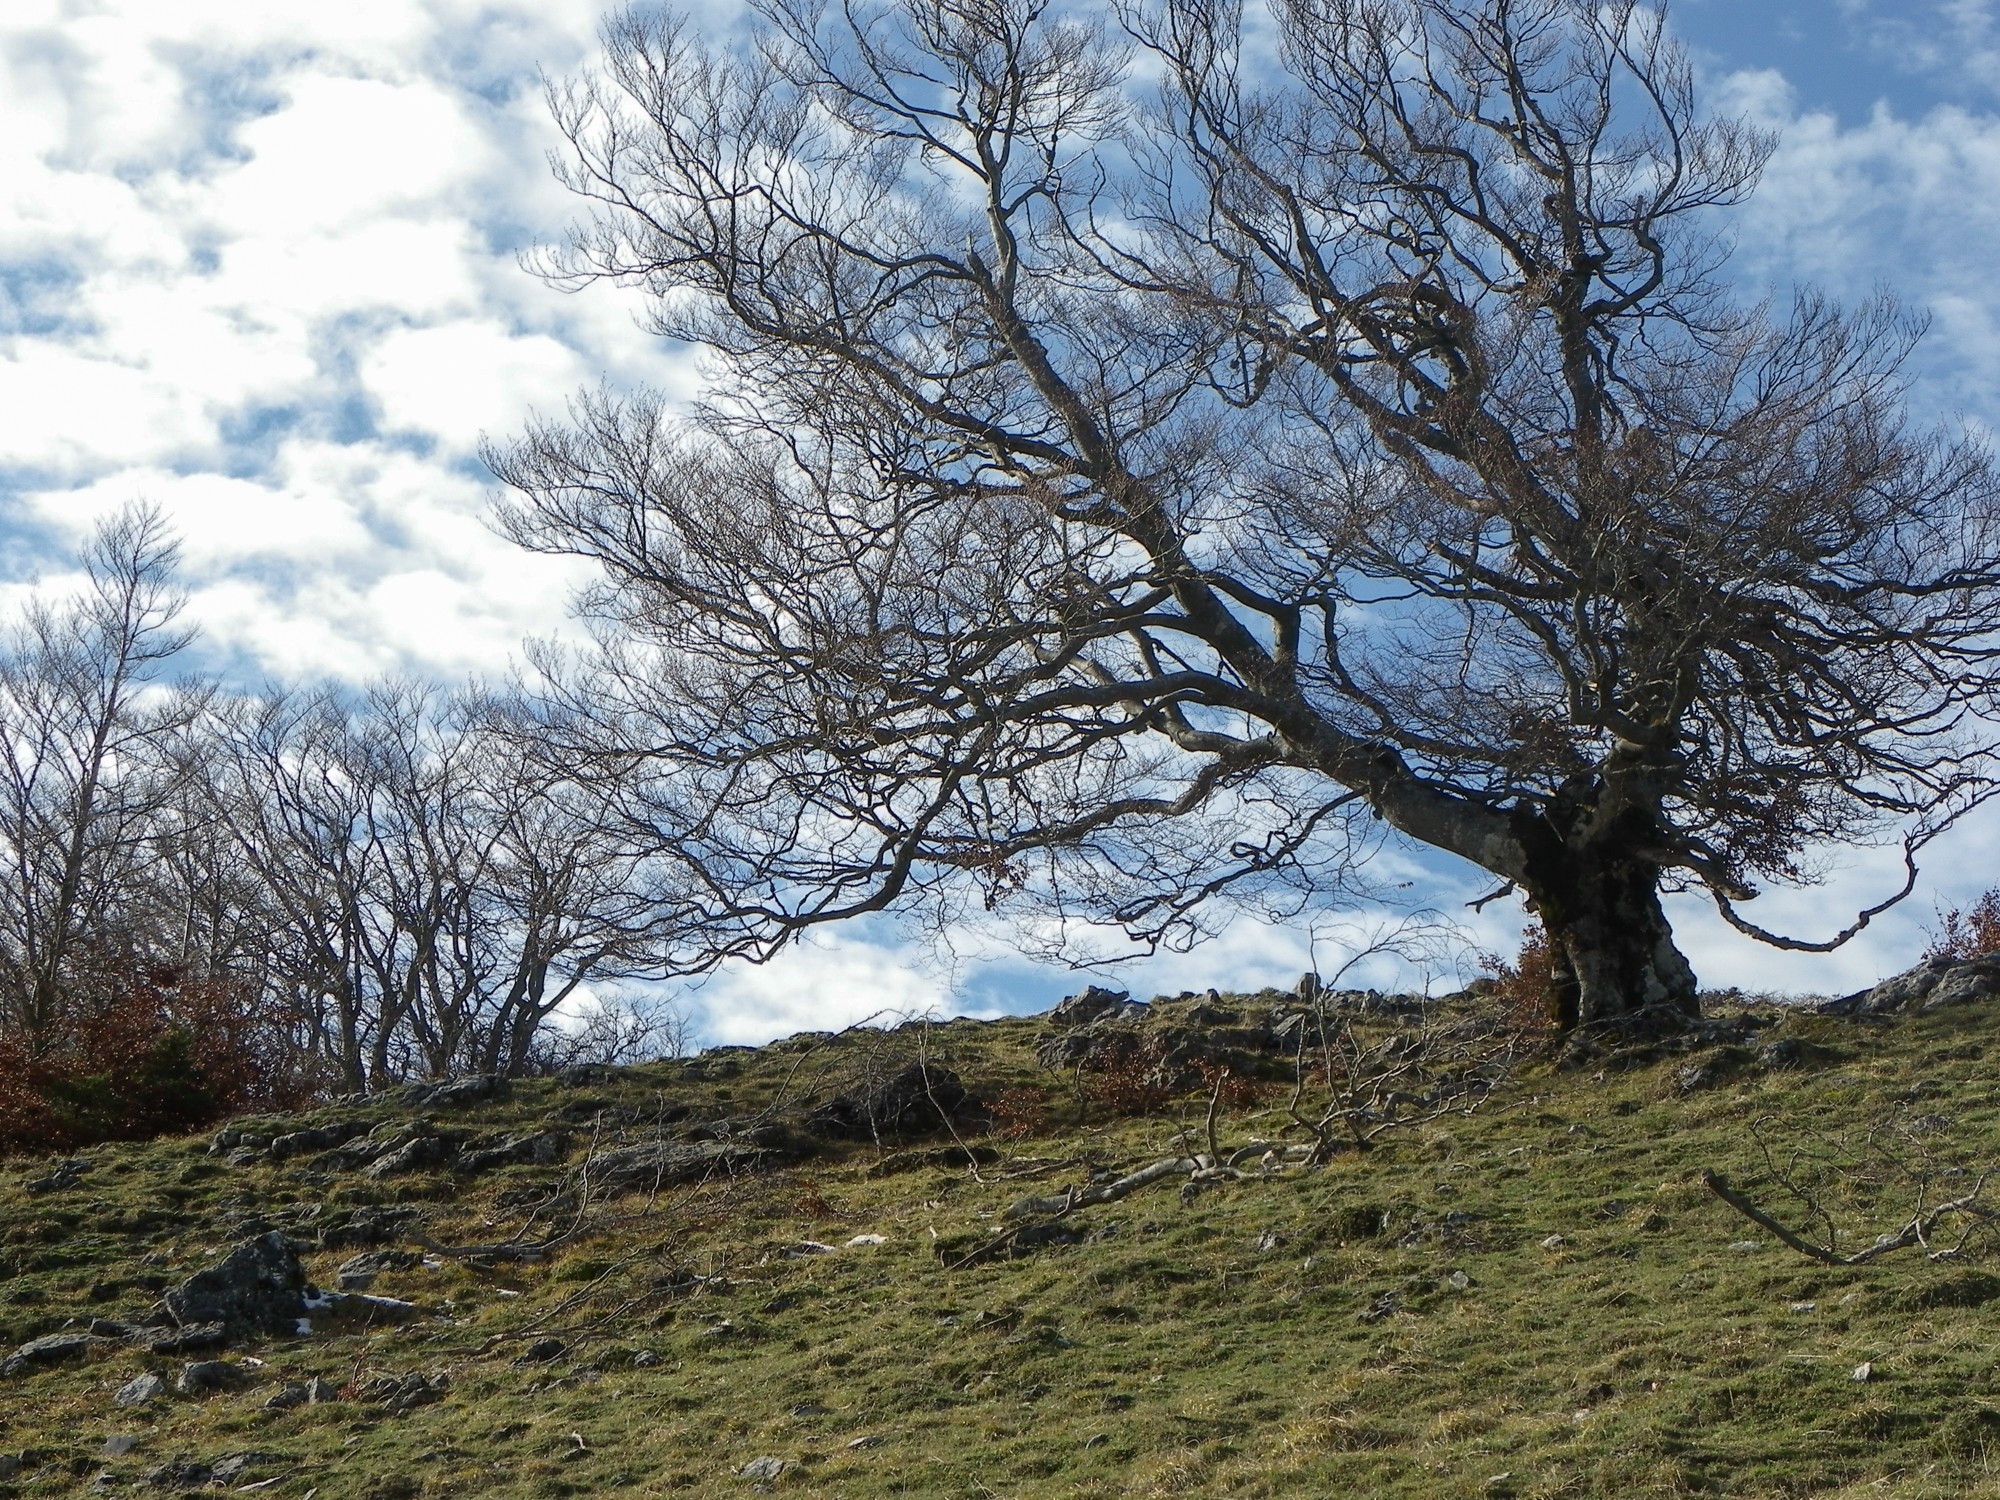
1612 952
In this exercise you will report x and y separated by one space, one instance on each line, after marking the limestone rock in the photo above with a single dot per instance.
258 1287
140 1389
49 1350
205 1377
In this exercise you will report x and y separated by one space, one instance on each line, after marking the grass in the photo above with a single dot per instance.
1396 1324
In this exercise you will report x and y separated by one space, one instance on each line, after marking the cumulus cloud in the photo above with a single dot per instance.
258 263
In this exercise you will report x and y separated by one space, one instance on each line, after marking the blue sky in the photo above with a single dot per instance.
257 263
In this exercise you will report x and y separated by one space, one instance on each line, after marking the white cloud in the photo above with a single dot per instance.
454 381
257 262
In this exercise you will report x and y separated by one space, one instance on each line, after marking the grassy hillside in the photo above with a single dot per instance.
1535 1299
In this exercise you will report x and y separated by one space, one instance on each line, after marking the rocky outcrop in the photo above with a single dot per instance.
917 1100
1932 985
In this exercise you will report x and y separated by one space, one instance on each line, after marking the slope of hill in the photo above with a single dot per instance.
815 1268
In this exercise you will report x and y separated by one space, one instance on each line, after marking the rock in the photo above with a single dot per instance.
1093 1003
544 1148
1786 1052
190 1340
645 1358
119 1444
1692 1077
1308 988
917 1100
1554 1242
458 1093
863 1241
313 1392
1862 1373
424 1153
871 1440
1458 1281
1931 985
205 1377
542 1351
656 1164
259 1287
66 1175
140 1389
763 1470
364 1227
236 1465
49 1350
1804 1307
10 1466
181 1474
358 1272
316 1138
401 1393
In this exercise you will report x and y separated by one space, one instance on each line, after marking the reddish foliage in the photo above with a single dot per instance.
1124 1083
165 1053
1019 1113
1971 933
1524 986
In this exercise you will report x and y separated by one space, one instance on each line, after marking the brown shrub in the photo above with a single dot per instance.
1969 933
163 1054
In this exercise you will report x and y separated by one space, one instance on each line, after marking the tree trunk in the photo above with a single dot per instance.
1612 952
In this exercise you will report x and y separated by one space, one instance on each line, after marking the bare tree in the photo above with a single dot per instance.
1126 495
434 893
84 773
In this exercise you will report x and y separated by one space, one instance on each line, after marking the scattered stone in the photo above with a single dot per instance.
236 1465
872 1440
1383 1306
49 1350
119 1444
1863 1372
645 1358
1805 1307
313 1392
358 1272
1785 1053
140 1389
259 1287
542 1351
863 1241
1692 1077
805 1249
1309 987
66 1175
205 1377
811 1409
1746 1247
1554 1242
1269 1240
401 1393
544 1148
1458 1281
10 1466
763 1470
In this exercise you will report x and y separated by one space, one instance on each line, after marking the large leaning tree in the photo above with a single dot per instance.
1143 453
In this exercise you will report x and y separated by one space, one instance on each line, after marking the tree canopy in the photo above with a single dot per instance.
1145 454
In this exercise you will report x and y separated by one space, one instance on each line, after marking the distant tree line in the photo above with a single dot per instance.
219 900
